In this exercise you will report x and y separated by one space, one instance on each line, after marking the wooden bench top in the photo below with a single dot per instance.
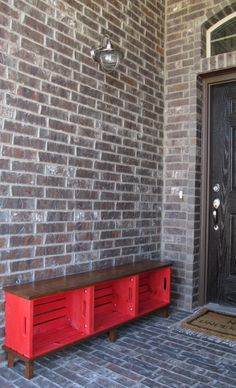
71 282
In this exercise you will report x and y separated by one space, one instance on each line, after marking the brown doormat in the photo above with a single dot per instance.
212 323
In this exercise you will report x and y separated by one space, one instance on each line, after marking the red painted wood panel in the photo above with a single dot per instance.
19 324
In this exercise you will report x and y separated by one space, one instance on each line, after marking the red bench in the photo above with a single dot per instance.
44 316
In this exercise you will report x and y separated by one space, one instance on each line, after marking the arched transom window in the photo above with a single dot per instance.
221 37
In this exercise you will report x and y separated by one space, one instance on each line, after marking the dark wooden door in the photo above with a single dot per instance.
221 278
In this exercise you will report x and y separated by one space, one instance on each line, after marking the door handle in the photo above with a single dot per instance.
216 204
215 219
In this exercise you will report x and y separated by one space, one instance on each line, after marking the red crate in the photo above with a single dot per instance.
48 323
114 302
153 290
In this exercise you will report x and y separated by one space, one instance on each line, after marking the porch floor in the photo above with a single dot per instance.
148 353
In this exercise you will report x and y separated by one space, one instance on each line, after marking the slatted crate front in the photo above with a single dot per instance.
61 319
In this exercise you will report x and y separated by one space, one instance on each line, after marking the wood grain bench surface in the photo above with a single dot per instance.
48 287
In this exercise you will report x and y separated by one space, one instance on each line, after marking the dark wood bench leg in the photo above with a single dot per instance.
10 359
29 369
113 335
165 312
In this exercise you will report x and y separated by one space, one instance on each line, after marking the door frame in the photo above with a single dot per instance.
217 77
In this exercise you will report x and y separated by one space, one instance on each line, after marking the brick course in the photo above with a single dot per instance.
81 150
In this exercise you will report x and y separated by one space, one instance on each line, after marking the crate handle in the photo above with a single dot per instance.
25 327
165 282
130 294
84 308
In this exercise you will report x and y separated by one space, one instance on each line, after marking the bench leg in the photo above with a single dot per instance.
29 369
165 312
113 335
10 359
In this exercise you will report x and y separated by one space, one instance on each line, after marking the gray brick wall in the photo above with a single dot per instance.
187 22
81 150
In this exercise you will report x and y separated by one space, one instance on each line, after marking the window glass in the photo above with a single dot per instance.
226 29
223 45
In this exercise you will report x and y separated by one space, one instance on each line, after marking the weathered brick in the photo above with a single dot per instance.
30 118
20 266
28 9
32 94
16 254
35 71
18 153
7 85
36 48
61 48
27 166
24 79
57 25
23 30
56 90
6 10
61 126
37 25
22 104
67 83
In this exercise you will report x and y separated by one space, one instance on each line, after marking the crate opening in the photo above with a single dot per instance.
153 290
112 304
56 322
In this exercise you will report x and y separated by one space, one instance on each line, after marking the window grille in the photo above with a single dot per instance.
221 37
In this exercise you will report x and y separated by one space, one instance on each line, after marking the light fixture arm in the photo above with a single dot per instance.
105 41
106 55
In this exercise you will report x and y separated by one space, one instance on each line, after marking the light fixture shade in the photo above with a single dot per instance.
108 56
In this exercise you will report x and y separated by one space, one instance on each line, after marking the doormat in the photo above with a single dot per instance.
212 323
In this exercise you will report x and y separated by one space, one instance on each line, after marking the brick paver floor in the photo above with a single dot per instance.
148 353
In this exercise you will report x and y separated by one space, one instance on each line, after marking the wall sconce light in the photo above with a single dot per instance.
108 56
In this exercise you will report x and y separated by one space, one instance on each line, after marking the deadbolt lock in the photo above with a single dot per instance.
216 188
